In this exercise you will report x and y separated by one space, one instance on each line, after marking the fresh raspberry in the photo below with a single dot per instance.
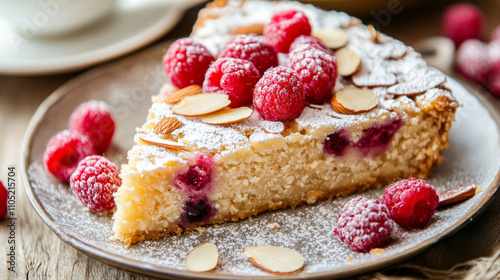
461 22
494 51
252 48
94 119
64 151
94 182
285 27
317 71
494 79
473 60
186 62
364 224
411 202
279 95
3 201
309 41
234 77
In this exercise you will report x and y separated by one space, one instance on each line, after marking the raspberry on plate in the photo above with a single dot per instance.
94 182
364 224
317 71
94 119
473 60
494 79
461 22
411 202
64 151
252 48
305 41
186 62
233 77
279 95
3 201
285 27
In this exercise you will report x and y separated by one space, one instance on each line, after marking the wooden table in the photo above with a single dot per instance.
41 255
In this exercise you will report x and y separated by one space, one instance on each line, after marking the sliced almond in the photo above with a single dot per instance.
274 259
249 29
373 34
201 104
202 258
348 62
161 142
180 94
457 194
334 38
352 100
228 116
167 125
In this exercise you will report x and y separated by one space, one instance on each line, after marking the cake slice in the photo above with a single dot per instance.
184 172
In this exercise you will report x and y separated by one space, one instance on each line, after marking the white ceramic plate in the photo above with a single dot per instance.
474 157
133 24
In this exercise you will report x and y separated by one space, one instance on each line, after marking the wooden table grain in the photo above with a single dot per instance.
40 254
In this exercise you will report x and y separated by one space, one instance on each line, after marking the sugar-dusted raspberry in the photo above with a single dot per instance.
461 22
186 62
3 201
279 95
364 224
234 77
285 27
494 79
473 60
411 202
64 151
305 41
252 48
94 119
94 182
317 71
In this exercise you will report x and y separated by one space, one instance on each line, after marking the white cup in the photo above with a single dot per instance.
38 18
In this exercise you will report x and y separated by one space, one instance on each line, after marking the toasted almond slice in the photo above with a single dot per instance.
180 94
348 62
274 259
167 125
457 194
228 116
202 258
333 38
373 33
352 100
249 29
201 104
162 143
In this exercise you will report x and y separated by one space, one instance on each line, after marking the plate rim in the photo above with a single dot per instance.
159 271
105 53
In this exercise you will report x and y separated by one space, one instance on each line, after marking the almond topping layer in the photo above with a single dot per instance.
201 104
333 38
167 125
348 62
352 100
180 94
162 143
228 116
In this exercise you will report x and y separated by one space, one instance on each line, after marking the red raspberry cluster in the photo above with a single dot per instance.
91 129
478 61
247 68
365 224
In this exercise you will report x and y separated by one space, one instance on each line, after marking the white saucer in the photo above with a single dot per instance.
133 24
